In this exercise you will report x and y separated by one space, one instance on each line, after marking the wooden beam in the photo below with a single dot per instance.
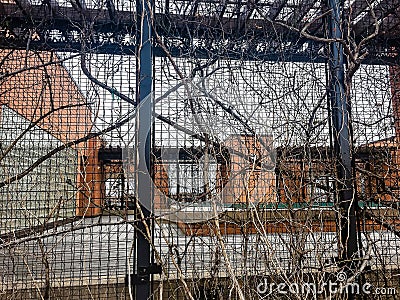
382 10
111 10
276 8
300 12
24 6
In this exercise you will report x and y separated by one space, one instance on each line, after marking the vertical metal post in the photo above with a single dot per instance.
340 110
144 83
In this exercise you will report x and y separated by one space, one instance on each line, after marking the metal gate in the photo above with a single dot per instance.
199 149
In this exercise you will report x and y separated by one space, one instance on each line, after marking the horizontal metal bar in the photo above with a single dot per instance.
200 53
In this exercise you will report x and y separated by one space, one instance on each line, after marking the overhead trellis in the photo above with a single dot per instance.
244 29
189 149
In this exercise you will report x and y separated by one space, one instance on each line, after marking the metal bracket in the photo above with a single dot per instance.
144 274
150 269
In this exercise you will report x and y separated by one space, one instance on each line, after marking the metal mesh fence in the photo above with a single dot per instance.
270 160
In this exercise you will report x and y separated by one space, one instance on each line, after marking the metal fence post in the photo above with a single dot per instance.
340 109
144 82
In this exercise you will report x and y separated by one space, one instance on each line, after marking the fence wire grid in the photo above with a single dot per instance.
272 149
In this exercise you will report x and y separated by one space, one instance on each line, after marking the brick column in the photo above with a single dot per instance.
161 183
247 182
90 181
394 77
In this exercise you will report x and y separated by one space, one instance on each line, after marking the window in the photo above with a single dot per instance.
189 180
322 188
